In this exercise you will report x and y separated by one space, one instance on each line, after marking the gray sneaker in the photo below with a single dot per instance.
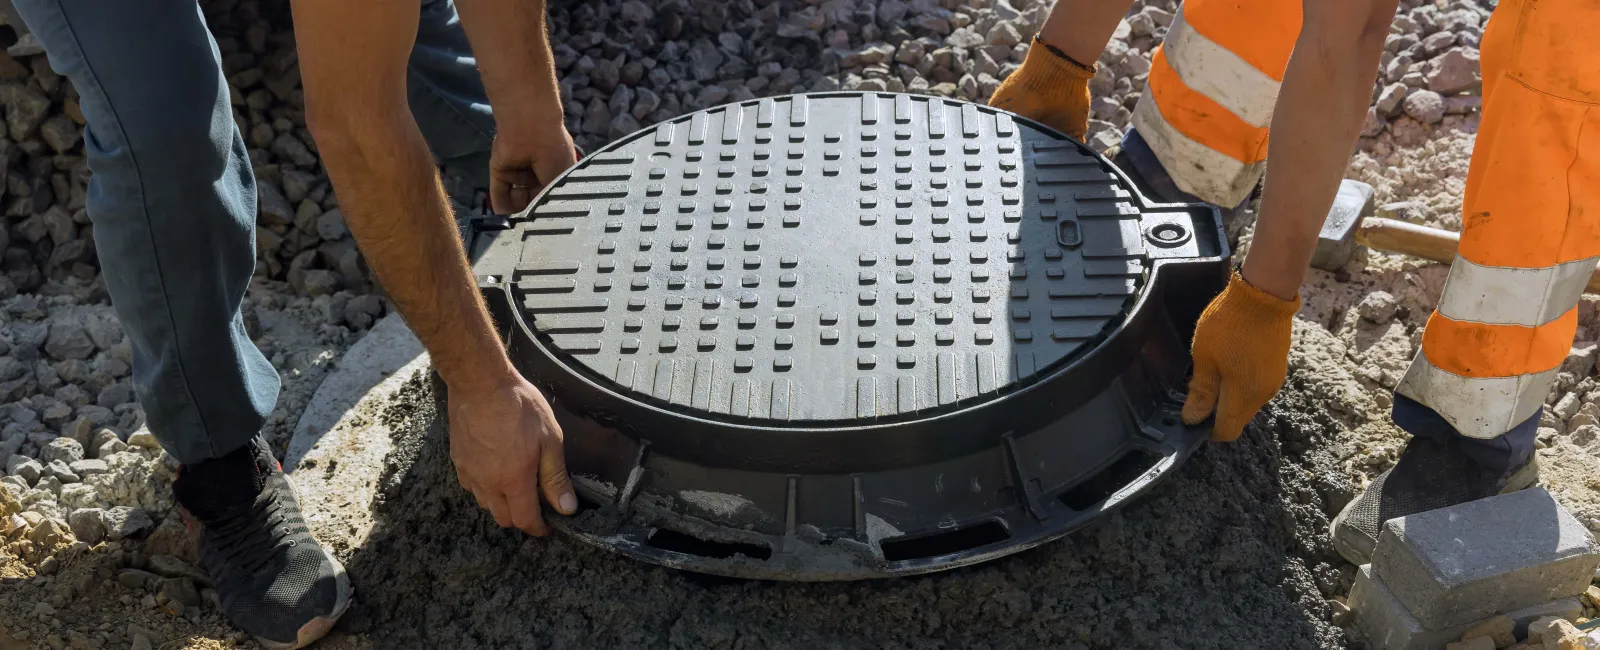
275 582
1429 475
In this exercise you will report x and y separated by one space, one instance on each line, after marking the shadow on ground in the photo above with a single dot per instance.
1231 553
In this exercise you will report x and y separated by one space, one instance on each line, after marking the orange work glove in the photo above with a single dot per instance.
1241 357
1049 88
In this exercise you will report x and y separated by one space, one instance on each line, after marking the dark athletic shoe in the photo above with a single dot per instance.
275 582
1429 475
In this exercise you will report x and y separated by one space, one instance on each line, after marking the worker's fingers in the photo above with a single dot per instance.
524 505
1202 398
495 503
555 482
499 195
521 195
1234 410
510 190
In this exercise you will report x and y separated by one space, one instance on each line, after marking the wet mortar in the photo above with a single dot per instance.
1232 552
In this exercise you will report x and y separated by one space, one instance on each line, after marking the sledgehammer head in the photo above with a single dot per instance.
1337 241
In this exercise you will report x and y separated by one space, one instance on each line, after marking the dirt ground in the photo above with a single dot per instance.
1232 552
1229 554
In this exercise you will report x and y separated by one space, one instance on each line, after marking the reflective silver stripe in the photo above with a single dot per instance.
1195 168
1478 408
1216 72
1505 295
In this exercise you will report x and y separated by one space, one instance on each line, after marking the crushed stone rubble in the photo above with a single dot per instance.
88 529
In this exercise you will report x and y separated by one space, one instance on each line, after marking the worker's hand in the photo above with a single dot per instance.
507 449
1241 357
1048 88
518 169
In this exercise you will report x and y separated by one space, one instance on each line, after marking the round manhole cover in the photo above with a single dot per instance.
862 318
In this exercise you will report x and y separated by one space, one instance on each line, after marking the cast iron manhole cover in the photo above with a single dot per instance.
848 335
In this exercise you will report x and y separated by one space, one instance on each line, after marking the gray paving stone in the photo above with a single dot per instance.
1388 625
1464 563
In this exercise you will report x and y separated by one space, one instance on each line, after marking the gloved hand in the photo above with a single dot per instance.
1049 88
1241 357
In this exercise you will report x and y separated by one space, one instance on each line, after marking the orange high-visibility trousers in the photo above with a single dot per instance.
1531 215
1212 87
1530 223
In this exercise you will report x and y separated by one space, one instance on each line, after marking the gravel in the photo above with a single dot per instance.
1232 553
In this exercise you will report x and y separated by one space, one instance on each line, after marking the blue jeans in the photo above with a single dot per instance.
173 196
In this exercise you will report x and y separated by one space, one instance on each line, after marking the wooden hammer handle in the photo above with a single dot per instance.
1392 236
1434 244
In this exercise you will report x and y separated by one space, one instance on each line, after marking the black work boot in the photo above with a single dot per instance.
1431 474
275 582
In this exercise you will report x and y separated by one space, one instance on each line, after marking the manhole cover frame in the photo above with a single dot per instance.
1145 355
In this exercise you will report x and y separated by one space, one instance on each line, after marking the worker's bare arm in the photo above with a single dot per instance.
513 48
353 57
353 61
1320 106
1081 28
512 44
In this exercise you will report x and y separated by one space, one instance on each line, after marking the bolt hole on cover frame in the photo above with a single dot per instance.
848 335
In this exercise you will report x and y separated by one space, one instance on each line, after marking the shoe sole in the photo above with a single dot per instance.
318 627
1356 548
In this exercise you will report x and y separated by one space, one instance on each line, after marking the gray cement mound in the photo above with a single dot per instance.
1231 553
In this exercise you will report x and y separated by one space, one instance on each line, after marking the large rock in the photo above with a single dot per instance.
1425 106
24 468
606 75
61 133
321 282
1580 359
648 101
61 471
104 330
122 522
78 495
1373 124
597 117
87 468
25 108
1388 104
1004 34
88 525
51 533
1456 71
289 148
636 12
704 60
115 395
1437 42
63 449
68 340
273 207
9 505
965 37
144 439
330 225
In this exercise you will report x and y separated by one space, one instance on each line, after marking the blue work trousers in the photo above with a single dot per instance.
173 196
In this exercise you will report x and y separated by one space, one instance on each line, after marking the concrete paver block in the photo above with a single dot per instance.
1388 625
1467 562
